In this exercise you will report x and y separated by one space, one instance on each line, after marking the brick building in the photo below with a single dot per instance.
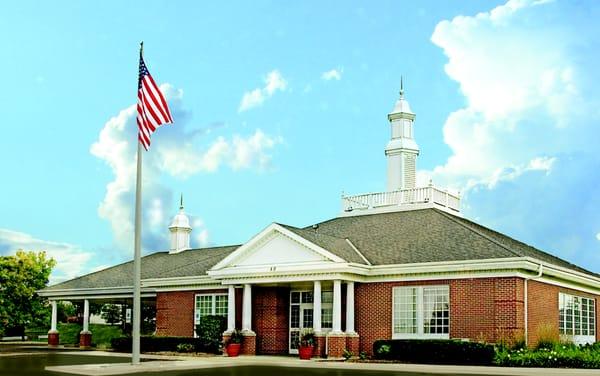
397 264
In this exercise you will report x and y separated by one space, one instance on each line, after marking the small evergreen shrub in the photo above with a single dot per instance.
185 348
210 332
435 351
363 355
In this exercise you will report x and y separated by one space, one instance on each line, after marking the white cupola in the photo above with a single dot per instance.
180 230
402 150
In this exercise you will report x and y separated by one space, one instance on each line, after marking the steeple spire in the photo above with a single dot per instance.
401 88
181 202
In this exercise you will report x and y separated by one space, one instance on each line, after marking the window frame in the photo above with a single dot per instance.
213 306
420 308
591 317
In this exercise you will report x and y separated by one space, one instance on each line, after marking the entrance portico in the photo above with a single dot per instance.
305 285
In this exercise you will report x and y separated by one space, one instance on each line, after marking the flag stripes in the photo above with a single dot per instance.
152 108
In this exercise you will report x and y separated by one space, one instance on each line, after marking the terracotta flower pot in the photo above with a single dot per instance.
305 352
233 349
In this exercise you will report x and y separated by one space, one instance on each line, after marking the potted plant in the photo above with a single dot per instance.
307 343
234 343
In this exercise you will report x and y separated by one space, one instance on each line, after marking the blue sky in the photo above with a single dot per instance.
279 107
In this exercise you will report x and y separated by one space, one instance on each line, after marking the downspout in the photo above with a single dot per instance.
540 271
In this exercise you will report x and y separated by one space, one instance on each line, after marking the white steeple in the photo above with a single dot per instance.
402 150
180 231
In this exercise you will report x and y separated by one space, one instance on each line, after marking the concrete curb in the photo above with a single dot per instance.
277 361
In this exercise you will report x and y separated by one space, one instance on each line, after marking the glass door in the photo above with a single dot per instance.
301 316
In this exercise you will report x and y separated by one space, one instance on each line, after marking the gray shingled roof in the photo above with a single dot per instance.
426 235
416 236
194 262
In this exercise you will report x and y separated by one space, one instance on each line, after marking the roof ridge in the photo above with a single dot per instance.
450 217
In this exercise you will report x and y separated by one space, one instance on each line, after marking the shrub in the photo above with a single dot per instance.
155 344
362 355
570 356
435 351
185 347
210 332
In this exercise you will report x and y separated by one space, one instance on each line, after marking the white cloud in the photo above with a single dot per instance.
71 260
333 74
274 82
598 236
523 98
522 149
175 151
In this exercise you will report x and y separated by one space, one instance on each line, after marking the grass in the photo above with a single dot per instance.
101 334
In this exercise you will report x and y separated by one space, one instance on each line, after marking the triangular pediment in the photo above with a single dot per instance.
277 246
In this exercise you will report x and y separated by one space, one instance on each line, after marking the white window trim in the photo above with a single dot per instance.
213 305
420 318
579 339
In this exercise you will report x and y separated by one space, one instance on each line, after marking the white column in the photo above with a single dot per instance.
317 307
231 309
337 306
247 309
86 315
350 308
54 316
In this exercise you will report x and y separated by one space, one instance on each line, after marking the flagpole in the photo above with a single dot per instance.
137 263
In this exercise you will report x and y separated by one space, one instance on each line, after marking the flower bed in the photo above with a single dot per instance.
560 355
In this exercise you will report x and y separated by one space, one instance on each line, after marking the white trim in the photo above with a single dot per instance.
257 240
213 305
420 317
358 252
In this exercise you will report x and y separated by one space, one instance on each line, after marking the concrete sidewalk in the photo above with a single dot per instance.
185 364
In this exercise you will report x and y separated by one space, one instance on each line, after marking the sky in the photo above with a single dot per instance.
279 107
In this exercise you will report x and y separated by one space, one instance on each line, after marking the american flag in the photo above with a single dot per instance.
152 107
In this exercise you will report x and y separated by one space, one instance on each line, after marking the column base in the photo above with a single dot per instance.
53 338
336 344
248 343
85 340
353 343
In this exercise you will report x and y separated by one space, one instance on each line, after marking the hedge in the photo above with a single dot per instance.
155 344
435 351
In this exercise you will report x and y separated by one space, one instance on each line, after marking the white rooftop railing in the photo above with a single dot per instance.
403 199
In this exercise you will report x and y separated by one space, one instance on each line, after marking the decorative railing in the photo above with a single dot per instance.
422 195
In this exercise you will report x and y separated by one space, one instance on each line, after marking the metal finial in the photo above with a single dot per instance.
401 88
141 48
181 202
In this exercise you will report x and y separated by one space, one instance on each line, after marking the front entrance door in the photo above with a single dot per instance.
301 316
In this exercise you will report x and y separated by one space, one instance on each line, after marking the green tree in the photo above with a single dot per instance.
112 313
21 276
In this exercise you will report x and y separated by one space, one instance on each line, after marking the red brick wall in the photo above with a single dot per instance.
175 312
543 307
488 308
270 319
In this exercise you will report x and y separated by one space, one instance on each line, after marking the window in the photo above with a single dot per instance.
210 304
421 312
577 318
326 309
